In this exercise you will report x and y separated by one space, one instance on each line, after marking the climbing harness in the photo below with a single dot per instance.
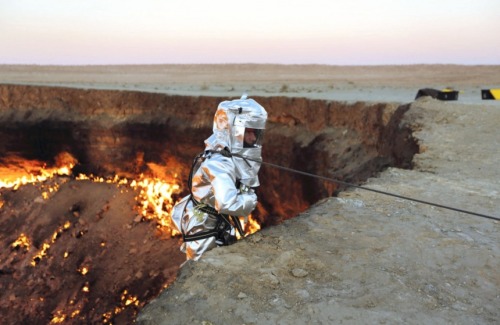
224 224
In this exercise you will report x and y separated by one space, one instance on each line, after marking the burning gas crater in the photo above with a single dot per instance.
154 199
81 248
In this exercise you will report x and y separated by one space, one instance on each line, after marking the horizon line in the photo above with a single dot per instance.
248 63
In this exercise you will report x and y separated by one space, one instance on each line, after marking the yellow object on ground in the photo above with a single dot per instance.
490 93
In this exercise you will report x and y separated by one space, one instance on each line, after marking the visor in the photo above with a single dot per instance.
253 138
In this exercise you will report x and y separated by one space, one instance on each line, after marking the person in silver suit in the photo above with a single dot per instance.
222 179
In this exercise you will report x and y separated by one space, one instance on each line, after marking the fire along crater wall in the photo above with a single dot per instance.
129 132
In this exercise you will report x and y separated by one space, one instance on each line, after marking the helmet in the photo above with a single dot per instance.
239 126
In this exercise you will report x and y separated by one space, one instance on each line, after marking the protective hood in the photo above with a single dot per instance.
239 126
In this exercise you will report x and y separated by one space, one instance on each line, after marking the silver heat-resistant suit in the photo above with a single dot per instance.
222 178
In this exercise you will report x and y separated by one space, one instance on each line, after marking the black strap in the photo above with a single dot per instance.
221 218
220 232
237 223
225 217
200 235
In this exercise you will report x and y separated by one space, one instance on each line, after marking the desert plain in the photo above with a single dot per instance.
359 257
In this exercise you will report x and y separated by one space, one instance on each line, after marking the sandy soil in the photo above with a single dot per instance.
361 257
340 83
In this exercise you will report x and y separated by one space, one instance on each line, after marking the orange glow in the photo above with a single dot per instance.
58 318
22 241
155 197
127 300
42 253
107 317
75 313
45 247
16 171
252 226
83 270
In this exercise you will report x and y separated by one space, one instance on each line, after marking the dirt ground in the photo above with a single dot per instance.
340 83
359 258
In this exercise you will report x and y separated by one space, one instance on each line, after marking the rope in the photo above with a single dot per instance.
370 189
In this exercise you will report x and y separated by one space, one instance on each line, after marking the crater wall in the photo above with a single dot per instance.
128 133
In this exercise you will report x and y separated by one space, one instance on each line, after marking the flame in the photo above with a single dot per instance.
16 171
98 179
50 188
106 317
58 318
252 226
127 300
75 313
249 224
45 246
83 270
22 241
156 200
40 254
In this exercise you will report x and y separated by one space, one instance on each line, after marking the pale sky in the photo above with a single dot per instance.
335 32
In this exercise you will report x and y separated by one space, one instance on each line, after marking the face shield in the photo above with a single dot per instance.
253 138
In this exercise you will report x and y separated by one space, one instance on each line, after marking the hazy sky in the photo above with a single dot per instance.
336 32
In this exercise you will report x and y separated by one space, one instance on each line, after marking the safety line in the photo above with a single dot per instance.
370 189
